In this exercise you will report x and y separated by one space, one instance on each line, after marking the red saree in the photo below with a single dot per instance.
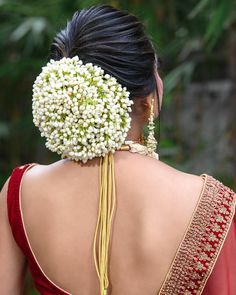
223 278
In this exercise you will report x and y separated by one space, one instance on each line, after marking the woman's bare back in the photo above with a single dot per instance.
153 209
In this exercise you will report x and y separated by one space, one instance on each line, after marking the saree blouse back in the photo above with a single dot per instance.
204 262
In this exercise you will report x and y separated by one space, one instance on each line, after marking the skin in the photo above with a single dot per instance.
155 203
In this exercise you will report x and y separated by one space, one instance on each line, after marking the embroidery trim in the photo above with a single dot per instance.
203 240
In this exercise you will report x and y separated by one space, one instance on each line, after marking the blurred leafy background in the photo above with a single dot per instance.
196 41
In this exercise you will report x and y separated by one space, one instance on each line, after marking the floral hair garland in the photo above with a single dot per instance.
81 111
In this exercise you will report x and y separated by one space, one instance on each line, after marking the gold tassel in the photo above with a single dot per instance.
105 213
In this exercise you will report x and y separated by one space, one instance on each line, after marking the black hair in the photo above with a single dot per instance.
114 40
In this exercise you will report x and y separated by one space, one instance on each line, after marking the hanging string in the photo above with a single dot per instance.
107 201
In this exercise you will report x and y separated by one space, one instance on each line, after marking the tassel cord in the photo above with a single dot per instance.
107 201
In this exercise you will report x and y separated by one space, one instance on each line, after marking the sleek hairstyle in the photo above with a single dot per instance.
114 40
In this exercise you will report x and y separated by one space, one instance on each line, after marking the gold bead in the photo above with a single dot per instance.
124 148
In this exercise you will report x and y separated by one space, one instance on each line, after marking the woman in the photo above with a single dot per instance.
110 218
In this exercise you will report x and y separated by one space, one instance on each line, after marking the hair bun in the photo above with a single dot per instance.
81 111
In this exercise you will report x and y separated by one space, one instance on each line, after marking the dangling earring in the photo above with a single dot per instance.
151 142
142 139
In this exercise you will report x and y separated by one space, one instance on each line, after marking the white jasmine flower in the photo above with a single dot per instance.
81 111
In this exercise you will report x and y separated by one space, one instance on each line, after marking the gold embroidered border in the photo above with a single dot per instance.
203 240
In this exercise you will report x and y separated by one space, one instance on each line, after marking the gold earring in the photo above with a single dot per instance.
142 139
151 142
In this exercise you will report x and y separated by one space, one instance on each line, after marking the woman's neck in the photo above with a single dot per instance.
135 135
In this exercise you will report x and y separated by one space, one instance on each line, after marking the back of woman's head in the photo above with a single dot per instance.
114 40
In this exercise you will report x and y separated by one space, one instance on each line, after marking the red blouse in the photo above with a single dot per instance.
41 281
205 260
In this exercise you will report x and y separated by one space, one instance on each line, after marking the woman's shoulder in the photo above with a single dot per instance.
159 168
46 177
170 183
38 170
149 168
29 173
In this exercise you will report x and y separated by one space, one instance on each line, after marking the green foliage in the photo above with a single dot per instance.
221 14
